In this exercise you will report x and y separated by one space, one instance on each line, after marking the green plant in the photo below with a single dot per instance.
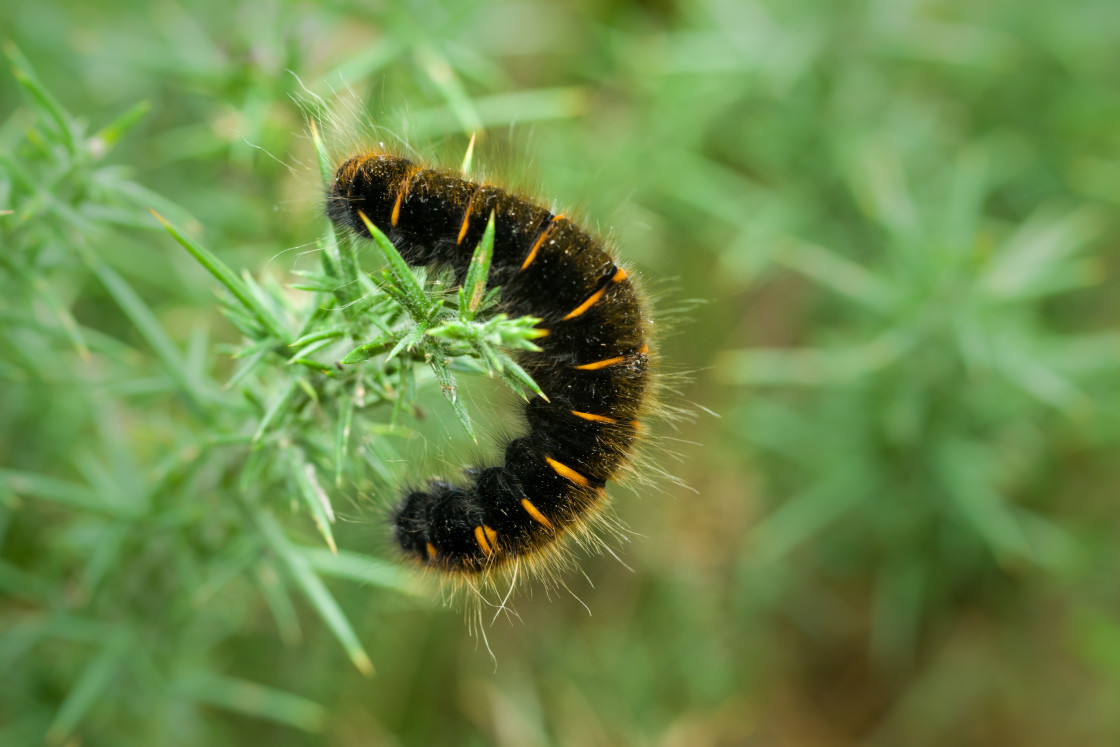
916 444
747 152
136 565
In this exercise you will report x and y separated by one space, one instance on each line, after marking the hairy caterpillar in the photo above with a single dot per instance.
593 365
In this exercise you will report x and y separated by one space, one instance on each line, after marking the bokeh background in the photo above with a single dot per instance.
884 240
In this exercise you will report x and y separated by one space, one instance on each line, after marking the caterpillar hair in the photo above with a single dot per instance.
593 365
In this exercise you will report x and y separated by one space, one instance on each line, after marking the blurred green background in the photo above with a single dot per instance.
883 240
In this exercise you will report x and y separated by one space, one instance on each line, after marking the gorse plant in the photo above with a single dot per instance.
915 441
901 219
111 580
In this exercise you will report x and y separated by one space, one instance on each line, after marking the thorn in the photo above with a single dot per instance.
466 168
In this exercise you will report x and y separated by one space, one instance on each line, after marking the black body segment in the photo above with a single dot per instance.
593 366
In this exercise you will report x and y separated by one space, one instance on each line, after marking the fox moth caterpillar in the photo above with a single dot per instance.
594 363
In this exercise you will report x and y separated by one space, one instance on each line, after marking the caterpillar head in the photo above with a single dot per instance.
364 184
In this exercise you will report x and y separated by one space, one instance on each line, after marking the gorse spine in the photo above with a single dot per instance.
593 365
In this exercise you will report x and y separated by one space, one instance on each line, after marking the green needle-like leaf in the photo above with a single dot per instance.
152 331
342 436
228 278
314 497
91 686
412 295
251 699
25 76
111 133
447 385
316 592
376 346
474 286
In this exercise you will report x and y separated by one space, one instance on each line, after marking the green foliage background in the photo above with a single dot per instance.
899 218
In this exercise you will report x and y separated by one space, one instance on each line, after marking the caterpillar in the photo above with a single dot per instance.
593 365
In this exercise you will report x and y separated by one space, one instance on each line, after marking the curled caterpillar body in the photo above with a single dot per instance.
593 365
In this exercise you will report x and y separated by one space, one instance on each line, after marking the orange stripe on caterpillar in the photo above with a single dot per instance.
401 194
487 539
585 305
396 216
593 418
565 471
466 219
601 364
596 365
540 240
535 514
